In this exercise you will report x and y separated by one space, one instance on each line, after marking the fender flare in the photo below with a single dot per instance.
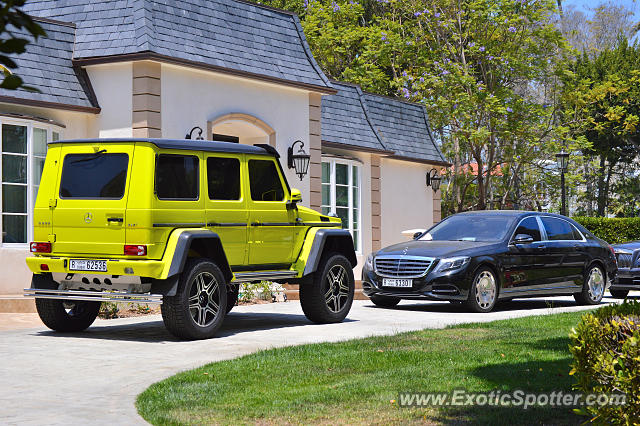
209 241
345 240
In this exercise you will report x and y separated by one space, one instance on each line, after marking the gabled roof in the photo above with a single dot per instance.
46 65
404 128
222 34
345 119
378 123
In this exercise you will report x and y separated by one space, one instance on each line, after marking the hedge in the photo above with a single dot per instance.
612 230
606 350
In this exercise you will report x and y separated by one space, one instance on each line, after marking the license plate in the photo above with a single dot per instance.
387 282
88 265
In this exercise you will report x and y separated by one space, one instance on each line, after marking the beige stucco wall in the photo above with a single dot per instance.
407 202
194 98
112 84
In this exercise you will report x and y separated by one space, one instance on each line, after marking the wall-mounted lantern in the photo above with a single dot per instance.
190 134
434 179
298 161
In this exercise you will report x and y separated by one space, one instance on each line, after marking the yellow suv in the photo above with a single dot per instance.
179 223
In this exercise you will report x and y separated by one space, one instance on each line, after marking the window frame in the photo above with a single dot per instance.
30 125
198 177
283 181
573 227
332 161
206 180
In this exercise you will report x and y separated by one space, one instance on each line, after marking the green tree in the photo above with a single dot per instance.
13 25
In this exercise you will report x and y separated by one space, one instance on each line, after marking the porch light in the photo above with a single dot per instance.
433 180
298 161
190 134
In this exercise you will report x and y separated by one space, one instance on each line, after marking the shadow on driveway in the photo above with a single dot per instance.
153 331
514 305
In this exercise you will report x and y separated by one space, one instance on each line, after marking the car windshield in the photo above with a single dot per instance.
470 228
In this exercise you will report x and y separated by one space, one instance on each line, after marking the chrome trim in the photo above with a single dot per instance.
244 277
94 296
543 231
400 258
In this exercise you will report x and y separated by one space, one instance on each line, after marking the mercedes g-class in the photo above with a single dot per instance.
180 223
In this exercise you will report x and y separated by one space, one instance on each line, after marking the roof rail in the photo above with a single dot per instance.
268 148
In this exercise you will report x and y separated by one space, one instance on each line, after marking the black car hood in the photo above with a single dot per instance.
437 249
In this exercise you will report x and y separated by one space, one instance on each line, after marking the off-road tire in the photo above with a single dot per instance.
385 301
619 294
61 315
232 296
585 296
312 293
177 315
485 277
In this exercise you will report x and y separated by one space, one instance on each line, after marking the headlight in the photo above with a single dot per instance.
622 251
368 264
453 263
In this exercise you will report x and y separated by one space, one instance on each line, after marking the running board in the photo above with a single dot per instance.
94 296
246 277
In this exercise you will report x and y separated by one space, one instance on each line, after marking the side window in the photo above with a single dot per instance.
529 226
576 234
177 177
223 178
265 181
558 229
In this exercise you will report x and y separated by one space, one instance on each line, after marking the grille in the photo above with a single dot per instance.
402 266
624 260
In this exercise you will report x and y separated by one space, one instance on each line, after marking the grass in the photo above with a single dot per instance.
356 381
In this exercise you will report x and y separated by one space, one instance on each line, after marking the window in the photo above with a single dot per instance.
341 194
223 177
96 175
265 181
23 147
177 177
529 226
558 229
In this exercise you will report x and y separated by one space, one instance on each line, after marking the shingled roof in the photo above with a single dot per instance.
46 65
404 128
372 122
222 34
345 119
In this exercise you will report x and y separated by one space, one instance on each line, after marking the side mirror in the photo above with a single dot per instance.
296 197
417 235
523 239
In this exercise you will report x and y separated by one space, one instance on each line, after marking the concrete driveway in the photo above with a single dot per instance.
94 376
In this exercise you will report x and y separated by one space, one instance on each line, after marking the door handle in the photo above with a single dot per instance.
115 219
542 247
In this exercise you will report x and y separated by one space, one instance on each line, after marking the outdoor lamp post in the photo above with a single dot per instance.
298 161
563 164
434 180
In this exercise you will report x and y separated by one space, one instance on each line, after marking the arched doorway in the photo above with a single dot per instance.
242 128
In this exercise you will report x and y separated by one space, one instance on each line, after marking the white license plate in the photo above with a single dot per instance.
388 282
88 265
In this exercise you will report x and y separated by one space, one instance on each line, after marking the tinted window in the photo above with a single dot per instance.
97 175
529 226
470 227
177 177
265 181
558 229
223 176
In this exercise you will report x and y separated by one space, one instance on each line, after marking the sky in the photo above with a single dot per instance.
585 5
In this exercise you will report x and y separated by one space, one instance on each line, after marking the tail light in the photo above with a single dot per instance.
135 250
40 247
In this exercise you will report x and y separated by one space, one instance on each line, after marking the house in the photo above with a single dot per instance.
238 71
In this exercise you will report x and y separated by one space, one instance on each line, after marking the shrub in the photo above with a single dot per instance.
612 230
606 350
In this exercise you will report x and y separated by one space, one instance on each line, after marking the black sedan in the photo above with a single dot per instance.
478 258
628 256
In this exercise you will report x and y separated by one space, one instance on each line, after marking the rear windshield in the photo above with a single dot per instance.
97 175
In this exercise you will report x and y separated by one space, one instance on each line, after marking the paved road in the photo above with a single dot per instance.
94 376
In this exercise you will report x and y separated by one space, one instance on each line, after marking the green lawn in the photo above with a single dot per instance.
355 381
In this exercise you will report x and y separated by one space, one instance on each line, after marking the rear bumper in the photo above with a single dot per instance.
142 268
